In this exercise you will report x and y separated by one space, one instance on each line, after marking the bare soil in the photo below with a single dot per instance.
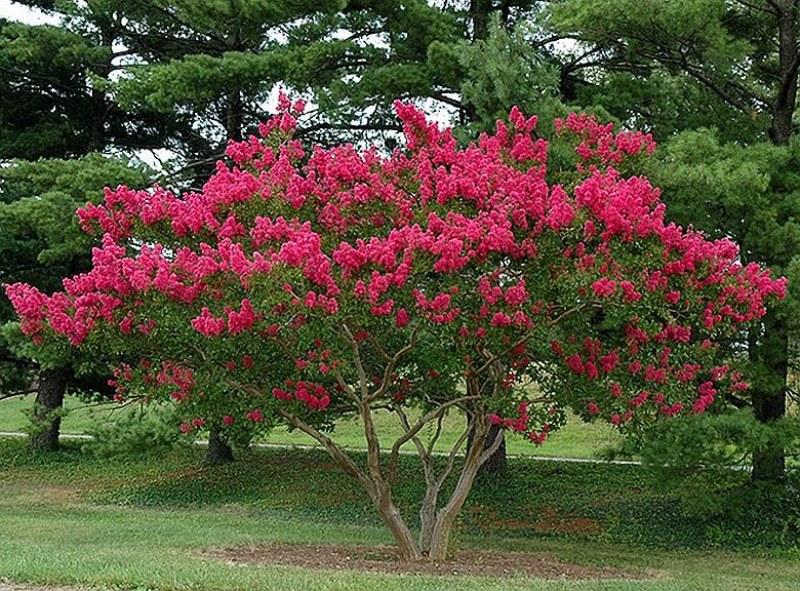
5 586
384 559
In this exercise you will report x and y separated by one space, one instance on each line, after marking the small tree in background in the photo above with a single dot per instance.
302 286
40 243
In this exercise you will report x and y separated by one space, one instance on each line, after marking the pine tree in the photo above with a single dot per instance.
53 107
728 65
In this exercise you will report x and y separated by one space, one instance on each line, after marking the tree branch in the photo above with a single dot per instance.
389 371
333 450
395 453
451 457
436 434
753 6
363 380
411 431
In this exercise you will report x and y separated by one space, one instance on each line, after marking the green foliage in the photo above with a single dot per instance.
39 419
386 56
145 430
505 70
548 501
675 66
719 441
664 103
197 81
41 242
749 193
685 459
715 82
40 236
218 62
34 62
60 529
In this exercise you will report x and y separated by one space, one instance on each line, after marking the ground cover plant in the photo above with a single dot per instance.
73 519
301 286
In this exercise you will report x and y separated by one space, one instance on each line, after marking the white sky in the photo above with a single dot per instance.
17 12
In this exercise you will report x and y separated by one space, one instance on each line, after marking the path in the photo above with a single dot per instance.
402 451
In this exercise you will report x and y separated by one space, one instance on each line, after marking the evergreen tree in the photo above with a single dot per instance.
729 65
40 242
53 107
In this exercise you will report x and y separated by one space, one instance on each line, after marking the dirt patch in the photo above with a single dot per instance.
40 493
549 520
385 559
6 586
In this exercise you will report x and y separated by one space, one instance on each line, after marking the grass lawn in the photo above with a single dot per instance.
576 440
140 523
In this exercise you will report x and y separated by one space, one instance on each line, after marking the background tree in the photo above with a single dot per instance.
40 243
51 109
732 66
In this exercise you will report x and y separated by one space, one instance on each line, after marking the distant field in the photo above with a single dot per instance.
576 440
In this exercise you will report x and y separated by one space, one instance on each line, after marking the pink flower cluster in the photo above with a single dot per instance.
314 396
599 142
470 247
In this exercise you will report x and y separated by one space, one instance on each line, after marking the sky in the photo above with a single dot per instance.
17 12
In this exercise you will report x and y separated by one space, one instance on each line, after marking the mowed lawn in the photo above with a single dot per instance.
144 522
576 440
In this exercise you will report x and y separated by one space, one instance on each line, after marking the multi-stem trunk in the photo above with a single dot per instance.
447 515
437 525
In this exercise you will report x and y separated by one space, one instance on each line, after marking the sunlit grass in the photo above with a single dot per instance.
140 523
576 440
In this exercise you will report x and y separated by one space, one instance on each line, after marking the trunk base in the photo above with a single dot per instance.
46 410
218 452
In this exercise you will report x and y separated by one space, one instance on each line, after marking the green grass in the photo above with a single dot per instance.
576 440
139 523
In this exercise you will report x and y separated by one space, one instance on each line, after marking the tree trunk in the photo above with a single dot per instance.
446 518
427 514
480 12
218 452
769 392
394 521
234 124
381 489
769 396
99 102
49 401
784 106
498 461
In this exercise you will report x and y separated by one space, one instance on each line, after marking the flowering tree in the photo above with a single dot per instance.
300 286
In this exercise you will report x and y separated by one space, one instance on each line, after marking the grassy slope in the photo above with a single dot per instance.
139 523
576 440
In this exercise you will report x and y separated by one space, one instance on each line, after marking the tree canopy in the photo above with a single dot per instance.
303 284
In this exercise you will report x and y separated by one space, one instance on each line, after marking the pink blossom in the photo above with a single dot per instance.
401 318
255 416
575 363
604 287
